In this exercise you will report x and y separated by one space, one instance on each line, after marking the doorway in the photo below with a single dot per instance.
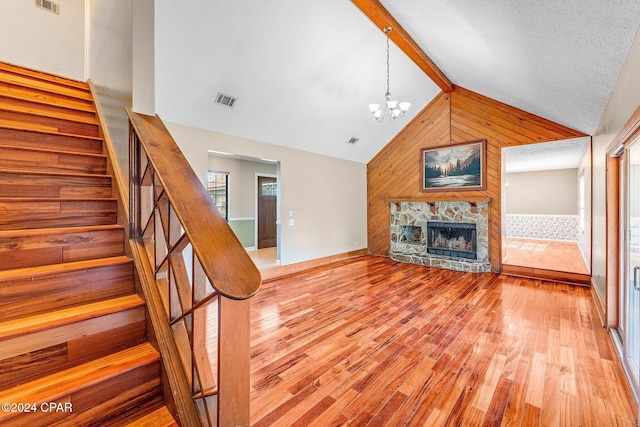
546 210
242 198
267 203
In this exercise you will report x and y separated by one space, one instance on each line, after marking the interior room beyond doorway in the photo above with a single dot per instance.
546 206
245 190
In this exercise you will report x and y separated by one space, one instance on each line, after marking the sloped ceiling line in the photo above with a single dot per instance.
382 19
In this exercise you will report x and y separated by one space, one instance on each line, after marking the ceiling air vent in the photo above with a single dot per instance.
48 5
226 100
353 140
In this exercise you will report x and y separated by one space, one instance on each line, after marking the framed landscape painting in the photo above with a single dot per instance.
454 167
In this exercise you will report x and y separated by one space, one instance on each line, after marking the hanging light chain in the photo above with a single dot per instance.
387 30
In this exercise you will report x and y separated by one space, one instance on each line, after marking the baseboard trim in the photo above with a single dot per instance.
285 270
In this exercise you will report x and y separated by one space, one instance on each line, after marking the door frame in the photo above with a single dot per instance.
615 255
613 260
255 199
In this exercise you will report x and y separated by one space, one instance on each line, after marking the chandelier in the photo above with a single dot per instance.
396 109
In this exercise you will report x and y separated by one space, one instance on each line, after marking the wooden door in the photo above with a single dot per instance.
267 206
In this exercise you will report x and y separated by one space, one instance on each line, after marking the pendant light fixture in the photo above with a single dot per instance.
396 109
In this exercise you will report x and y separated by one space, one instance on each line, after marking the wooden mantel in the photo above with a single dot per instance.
431 201
437 199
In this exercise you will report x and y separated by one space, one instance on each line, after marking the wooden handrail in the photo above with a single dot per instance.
224 259
197 275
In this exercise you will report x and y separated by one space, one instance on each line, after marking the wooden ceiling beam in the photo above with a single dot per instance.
382 19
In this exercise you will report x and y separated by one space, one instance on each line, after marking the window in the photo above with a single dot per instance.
269 188
218 189
581 201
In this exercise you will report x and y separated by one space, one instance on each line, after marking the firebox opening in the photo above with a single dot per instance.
452 239
411 234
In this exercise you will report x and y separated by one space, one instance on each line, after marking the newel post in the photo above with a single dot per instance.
234 361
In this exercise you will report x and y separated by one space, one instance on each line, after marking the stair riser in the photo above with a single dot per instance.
33 250
39 363
42 76
46 141
47 86
28 296
23 342
118 398
27 100
58 125
52 186
62 101
100 403
20 215
48 161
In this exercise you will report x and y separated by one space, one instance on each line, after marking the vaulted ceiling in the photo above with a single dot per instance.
304 72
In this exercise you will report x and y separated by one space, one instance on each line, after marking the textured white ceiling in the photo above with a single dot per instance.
304 72
565 154
558 59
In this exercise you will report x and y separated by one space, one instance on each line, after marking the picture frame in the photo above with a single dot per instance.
455 167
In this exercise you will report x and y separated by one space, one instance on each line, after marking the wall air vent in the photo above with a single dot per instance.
226 100
48 5
353 140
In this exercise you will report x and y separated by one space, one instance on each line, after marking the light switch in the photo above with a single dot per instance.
291 222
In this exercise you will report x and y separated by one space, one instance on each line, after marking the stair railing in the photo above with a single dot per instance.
199 278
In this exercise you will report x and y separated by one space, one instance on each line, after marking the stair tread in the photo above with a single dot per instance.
58 174
45 150
59 230
13 124
64 383
51 269
28 127
58 199
41 322
47 86
41 75
161 417
8 106
25 94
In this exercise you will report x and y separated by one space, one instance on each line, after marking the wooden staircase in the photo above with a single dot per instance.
73 331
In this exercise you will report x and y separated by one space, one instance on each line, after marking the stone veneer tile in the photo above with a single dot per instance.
419 213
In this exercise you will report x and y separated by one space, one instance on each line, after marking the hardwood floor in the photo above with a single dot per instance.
373 342
545 254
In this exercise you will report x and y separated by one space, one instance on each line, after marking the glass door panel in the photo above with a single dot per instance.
632 266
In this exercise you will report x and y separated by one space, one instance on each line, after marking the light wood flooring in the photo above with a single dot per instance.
264 259
373 342
545 254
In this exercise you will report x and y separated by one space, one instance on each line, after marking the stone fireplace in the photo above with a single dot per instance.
447 234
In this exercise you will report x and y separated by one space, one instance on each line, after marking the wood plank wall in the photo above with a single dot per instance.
459 116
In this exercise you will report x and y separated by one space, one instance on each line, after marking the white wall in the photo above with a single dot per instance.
144 57
624 100
327 196
584 236
550 192
110 57
36 38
